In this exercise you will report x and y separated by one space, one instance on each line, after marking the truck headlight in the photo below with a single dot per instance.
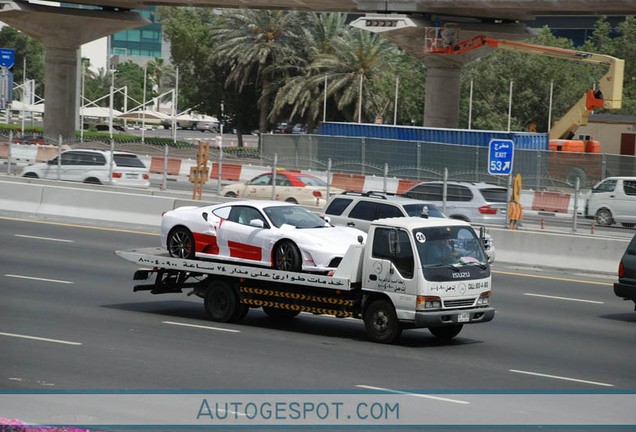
484 299
428 303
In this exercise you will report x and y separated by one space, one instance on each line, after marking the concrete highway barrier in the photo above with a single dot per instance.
524 247
561 250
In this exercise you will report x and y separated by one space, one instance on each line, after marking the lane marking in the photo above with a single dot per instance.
39 279
79 226
201 327
44 238
552 278
561 378
40 339
438 398
563 298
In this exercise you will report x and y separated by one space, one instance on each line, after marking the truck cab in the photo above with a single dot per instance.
422 272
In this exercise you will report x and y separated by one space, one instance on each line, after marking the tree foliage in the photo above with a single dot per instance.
260 67
27 48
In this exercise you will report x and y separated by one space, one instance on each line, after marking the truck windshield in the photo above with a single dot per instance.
451 246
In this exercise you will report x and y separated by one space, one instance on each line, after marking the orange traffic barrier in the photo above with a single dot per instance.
46 153
551 201
349 182
404 185
229 171
156 165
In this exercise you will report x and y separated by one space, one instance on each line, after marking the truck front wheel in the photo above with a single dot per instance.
447 332
381 323
221 302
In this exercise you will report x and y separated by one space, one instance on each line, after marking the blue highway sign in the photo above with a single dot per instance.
7 57
500 156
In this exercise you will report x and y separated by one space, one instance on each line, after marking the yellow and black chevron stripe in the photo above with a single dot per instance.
296 307
297 296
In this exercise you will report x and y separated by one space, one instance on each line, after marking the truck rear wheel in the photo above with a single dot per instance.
222 303
447 332
381 323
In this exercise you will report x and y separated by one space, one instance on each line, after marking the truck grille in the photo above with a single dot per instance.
459 303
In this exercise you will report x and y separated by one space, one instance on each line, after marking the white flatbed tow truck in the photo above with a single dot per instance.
411 273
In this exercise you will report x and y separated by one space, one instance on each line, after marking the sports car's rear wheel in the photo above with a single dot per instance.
287 257
181 243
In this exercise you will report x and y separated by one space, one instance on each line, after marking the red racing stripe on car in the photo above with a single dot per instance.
206 243
244 251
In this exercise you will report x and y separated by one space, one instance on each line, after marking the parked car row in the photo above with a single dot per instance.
290 128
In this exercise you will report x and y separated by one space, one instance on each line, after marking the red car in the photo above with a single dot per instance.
292 187
29 139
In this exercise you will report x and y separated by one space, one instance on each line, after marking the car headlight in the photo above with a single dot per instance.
484 299
428 303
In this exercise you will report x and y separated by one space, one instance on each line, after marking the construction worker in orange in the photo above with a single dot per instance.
515 209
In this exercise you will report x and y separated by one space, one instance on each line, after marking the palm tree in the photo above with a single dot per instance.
357 56
97 84
162 77
250 41
295 92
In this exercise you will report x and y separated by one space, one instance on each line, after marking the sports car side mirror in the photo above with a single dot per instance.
257 223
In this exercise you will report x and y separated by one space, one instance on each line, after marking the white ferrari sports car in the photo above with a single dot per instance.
275 234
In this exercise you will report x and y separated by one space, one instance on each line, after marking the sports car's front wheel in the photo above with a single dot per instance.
181 243
287 257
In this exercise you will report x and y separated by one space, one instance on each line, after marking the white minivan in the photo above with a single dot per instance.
613 200
93 166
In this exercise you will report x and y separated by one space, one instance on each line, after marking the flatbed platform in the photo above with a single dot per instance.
159 257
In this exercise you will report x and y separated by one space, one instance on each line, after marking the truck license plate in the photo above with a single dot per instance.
132 175
463 317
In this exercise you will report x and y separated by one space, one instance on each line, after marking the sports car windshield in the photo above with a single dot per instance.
293 215
449 246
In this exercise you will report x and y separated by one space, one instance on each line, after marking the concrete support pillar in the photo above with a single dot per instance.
441 103
60 91
63 31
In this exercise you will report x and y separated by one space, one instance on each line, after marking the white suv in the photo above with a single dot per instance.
93 166
357 210
472 202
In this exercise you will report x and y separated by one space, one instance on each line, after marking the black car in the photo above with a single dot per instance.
626 285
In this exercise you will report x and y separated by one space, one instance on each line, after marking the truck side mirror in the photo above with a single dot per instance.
482 235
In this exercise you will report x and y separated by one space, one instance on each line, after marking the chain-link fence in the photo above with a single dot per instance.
426 161
413 160
546 172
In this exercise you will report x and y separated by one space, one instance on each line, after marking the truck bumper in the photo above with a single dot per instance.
625 291
454 317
